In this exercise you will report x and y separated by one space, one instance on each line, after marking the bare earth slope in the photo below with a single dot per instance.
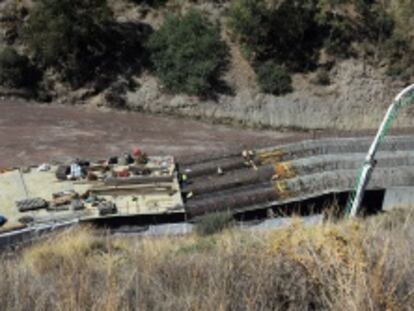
32 133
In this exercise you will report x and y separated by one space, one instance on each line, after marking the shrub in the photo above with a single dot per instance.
250 23
287 32
213 223
274 79
340 34
377 22
401 13
400 57
187 54
292 33
388 31
115 94
69 35
151 3
322 77
16 70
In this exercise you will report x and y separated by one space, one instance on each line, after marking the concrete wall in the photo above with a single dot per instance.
398 197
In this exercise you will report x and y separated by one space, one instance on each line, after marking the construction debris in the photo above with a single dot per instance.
135 185
107 208
27 205
43 168
126 185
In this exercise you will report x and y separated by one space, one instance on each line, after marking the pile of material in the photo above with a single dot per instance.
127 185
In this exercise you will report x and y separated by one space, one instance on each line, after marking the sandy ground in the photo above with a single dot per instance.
33 133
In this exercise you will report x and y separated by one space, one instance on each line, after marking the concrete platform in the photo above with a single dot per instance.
146 198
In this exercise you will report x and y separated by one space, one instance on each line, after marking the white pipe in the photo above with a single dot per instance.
369 162
405 91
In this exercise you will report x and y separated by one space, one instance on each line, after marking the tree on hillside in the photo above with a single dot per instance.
188 54
16 70
286 32
69 35
274 79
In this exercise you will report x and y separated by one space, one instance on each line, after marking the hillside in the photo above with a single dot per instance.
350 265
310 64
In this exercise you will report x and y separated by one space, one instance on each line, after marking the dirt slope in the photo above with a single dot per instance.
32 133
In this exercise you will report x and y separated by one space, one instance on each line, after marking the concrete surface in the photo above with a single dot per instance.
396 197
38 184
15 186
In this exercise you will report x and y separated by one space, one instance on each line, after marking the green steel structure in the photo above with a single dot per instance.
403 99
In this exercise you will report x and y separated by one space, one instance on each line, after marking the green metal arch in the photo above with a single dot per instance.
402 100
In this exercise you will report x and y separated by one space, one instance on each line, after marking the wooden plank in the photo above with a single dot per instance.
115 181
130 189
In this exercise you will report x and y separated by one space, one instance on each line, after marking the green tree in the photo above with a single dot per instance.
188 55
250 23
286 32
69 35
16 70
274 79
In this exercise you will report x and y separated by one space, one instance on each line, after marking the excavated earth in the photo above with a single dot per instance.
31 134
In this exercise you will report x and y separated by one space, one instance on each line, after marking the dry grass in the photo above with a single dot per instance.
351 265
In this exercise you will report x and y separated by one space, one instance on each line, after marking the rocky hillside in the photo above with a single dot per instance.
326 64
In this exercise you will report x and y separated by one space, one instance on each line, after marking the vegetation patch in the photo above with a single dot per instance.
200 245
69 36
322 77
81 40
188 55
292 34
84 44
214 223
285 32
16 71
274 79
341 266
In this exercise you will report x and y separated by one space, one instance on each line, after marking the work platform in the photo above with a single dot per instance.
129 190
238 182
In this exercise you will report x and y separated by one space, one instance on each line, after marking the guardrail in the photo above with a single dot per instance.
30 234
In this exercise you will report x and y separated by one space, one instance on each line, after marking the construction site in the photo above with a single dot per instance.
360 175
206 155
139 189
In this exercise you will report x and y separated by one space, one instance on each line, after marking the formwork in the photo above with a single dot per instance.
292 172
